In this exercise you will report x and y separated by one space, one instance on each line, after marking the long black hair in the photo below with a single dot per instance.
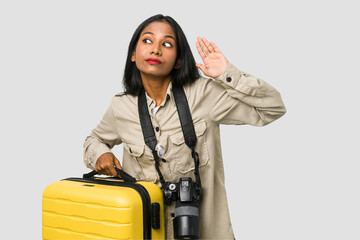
185 73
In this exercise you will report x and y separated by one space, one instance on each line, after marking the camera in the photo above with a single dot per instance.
186 193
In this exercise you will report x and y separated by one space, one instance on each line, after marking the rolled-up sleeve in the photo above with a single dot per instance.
102 139
238 98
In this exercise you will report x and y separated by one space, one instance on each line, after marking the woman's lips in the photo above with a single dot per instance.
153 61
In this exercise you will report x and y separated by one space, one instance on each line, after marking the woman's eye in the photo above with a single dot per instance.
146 40
166 44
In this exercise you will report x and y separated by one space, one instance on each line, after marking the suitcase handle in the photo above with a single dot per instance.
123 175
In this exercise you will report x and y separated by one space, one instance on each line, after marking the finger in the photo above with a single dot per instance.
107 172
99 165
97 168
208 45
216 49
117 163
201 67
112 171
102 169
198 47
203 47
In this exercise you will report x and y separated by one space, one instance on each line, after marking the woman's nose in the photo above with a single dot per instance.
156 49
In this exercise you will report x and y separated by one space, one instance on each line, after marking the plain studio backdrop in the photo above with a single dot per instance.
297 178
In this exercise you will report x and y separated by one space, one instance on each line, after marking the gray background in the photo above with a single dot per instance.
298 178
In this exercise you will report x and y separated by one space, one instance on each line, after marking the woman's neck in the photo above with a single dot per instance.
156 87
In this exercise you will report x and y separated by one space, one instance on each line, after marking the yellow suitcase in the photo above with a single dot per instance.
102 208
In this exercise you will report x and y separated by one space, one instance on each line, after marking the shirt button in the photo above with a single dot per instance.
157 129
228 79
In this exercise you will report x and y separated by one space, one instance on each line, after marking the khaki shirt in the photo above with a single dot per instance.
233 98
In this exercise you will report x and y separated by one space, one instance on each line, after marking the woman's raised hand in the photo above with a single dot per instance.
214 61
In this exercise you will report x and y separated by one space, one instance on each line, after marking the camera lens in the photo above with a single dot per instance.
186 222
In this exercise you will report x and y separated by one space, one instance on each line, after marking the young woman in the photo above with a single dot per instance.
159 57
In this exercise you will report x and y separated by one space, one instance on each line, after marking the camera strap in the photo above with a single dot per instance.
148 131
187 127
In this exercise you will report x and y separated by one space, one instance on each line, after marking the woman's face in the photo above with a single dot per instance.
155 53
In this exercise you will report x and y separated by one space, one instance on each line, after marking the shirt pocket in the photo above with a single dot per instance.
142 160
182 153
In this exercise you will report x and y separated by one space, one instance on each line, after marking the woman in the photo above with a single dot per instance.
159 56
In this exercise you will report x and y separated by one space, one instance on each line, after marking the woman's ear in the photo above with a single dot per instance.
133 56
177 64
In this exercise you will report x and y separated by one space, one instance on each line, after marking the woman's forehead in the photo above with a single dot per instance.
159 28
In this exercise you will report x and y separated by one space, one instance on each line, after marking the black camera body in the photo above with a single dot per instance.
170 191
186 216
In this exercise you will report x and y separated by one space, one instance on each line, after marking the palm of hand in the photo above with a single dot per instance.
215 64
214 60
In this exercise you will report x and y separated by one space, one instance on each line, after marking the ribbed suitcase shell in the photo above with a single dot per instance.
91 209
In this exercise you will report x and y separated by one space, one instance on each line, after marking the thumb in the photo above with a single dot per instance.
117 163
201 67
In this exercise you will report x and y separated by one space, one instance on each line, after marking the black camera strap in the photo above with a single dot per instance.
148 131
187 127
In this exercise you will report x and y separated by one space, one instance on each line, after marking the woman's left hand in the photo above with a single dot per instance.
214 61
